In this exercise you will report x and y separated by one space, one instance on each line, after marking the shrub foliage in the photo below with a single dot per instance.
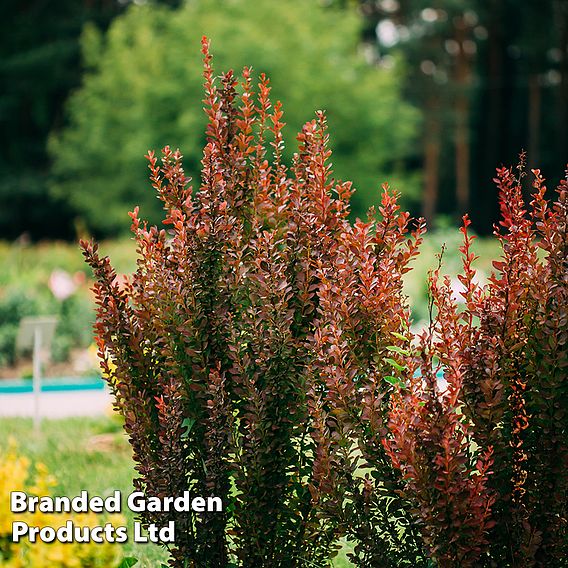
262 352
485 458
212 349
17 474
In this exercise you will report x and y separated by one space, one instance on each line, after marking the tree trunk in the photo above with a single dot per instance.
561 16
462 108
534 120
431 160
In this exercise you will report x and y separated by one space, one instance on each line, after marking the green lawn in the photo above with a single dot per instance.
91 454
416 281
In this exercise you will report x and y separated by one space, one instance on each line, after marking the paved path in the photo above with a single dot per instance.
57 404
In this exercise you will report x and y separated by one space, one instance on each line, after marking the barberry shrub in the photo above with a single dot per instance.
360 343
261 353
484 453
223 349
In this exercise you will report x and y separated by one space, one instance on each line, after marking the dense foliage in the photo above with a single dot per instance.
487 80
147 66
213 346
261 352
485 454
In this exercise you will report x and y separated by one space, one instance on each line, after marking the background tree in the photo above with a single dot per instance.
482 74
143 72
39 64
488 78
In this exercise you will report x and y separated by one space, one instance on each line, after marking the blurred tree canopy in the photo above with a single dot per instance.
487 78
143 89
39 64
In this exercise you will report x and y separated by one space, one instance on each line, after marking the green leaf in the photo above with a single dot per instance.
127 562
394 381
400 336
188 424
398 350
394 364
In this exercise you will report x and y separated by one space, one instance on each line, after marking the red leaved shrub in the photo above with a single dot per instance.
261 353
485 458
360 349
223 348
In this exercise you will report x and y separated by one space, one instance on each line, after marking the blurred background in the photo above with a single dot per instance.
429 96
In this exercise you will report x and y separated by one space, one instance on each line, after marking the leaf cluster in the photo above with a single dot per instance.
484 451
262 353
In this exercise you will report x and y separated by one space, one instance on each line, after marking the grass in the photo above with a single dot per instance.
72 451
416 281
66 447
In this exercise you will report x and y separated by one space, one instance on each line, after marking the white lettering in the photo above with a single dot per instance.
96 535
80 503
19 528
181 504
198 504
112 503
136 502
47 534
167 534
18 501
121 534
214 504
96 504
138 536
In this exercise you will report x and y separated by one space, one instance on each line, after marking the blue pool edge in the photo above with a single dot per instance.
52 384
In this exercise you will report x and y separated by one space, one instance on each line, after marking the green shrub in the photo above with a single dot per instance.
147 66
74 326
14 305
